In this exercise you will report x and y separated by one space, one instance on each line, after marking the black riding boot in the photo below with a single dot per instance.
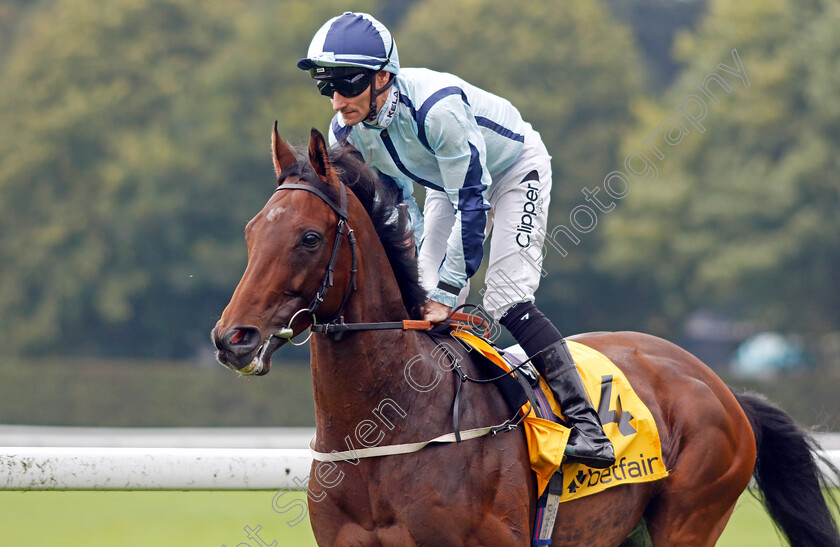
544 344
587 444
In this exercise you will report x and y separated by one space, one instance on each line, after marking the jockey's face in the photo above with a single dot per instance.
355 109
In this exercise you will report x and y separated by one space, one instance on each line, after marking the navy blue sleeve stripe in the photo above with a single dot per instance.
427 105
407 102
473 214
341 132
501 130
392 151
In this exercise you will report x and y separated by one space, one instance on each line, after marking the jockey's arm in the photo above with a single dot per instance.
459 147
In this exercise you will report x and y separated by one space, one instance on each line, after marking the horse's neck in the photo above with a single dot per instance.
360 382
353 375
378 388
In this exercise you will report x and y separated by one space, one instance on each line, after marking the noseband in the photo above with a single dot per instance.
320 189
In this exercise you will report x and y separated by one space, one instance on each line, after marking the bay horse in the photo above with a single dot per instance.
479 491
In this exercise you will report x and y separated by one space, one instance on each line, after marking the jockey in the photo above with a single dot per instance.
483 167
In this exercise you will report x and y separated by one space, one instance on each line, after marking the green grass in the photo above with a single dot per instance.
750 526
142 519
213 519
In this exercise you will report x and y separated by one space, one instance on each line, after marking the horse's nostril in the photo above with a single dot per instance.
238 340
243 336
237 337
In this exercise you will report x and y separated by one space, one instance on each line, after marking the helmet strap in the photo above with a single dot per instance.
374 93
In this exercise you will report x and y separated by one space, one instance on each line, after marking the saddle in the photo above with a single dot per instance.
626 420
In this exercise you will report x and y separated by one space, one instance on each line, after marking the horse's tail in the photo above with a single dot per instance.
788 476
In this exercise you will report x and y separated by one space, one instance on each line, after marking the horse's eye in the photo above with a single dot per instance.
311 240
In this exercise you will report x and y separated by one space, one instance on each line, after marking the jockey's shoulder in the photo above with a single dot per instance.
425 88
426 82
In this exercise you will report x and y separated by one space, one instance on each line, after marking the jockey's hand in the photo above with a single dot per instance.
435 311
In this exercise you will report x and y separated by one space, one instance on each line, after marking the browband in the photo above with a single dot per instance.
321 189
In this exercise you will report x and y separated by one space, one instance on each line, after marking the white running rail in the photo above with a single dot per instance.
77 468
60 458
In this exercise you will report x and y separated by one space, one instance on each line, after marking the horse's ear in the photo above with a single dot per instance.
280 151
319 158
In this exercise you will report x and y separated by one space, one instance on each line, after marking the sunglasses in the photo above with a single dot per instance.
348 86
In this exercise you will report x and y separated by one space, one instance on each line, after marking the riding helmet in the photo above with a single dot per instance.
352 40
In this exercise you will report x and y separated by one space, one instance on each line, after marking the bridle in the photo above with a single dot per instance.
321 189
338 327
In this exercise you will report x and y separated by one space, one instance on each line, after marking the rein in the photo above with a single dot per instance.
462 320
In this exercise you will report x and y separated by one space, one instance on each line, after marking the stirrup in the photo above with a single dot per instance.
597 458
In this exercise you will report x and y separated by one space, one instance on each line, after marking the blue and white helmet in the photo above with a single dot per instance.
352 40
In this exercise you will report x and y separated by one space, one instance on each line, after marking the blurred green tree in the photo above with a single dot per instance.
572 71
134 149
745 214
391 13
13 14
654 23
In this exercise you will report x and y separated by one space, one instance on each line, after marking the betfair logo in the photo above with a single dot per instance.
622 470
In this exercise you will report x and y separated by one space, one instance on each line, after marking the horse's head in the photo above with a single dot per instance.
291 245
302 255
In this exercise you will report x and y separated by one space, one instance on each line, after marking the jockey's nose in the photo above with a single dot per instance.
338 101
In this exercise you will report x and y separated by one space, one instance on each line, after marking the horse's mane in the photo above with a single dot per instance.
381 200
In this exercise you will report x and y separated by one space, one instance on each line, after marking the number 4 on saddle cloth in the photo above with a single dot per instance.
627 422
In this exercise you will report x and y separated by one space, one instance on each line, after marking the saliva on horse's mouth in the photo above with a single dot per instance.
261 363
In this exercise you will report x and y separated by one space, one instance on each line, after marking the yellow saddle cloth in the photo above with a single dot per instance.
627 422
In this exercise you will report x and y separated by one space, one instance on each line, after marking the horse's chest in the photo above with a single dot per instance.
418 502
366 514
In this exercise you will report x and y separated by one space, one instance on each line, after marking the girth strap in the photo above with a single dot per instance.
405 448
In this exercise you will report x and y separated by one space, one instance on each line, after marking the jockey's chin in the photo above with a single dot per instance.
353 117
353 110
